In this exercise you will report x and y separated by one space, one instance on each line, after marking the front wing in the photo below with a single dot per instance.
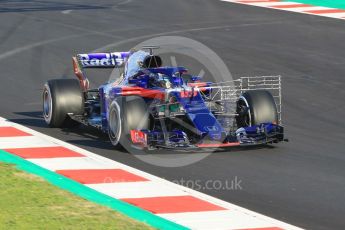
265 133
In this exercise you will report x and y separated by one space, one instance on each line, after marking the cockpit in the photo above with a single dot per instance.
139 61
145 69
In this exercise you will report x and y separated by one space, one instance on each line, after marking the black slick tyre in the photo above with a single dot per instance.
255 107
126 114
60 98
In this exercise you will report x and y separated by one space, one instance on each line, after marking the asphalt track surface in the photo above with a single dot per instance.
300 182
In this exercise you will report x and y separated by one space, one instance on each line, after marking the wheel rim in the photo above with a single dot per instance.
114 126
47 105
244 112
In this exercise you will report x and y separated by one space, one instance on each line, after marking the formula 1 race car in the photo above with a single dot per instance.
150 106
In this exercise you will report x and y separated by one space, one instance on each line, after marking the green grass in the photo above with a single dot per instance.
29 202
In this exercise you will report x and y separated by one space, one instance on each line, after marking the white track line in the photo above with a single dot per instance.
24 142
66 163
137 189
216 220
334 15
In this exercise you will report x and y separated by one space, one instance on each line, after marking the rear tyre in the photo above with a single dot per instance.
255 107
60 97
126 114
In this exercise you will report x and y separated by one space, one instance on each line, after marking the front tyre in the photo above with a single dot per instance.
114 124
126 114
255 107
61 97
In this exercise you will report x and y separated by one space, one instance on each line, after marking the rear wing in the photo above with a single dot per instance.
102 60
96 60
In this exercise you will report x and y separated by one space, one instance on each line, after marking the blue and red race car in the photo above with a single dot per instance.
153 106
